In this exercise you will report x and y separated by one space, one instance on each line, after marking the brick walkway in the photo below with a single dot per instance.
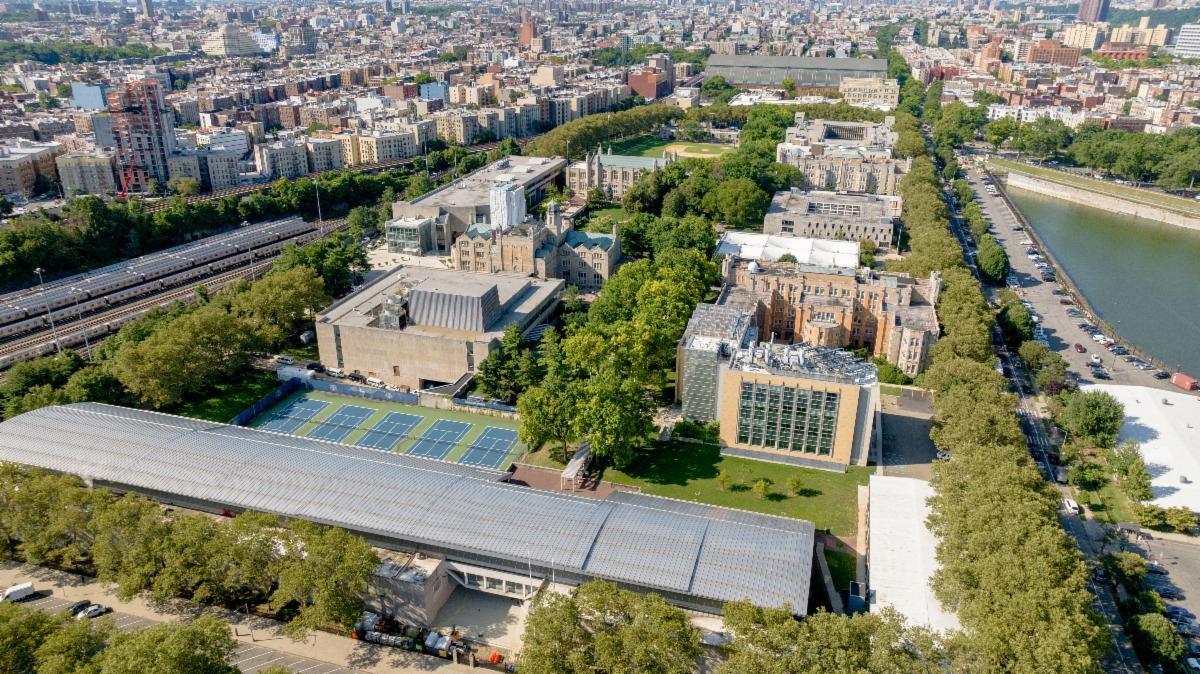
547 479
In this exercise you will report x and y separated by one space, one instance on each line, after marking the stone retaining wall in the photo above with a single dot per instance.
1108 202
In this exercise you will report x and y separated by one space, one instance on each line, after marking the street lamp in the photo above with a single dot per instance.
46 303
320 220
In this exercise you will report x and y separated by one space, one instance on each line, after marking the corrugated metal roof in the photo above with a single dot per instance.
653 543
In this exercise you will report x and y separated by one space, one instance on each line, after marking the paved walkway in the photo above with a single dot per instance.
261 643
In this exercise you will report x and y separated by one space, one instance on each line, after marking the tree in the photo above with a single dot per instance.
73 647
418 187
1155 636
1094 416
548 413
795 483
22 631
724 479
762 487
1127 567
510 370
999 131
739 203
365 219
992 260
184 186
1150 515
202 646
130 553
1181 519
325 573
605 629
616 417
276 305
789 88
1043 137
336 259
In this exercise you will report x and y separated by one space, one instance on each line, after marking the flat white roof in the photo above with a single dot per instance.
901 552
1169 434
771 247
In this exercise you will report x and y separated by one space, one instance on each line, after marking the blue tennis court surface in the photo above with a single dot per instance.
389 431
341 423
439 439
295 415
490 448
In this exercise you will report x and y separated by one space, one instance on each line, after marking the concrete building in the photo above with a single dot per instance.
844 156
281 159
876 93
713 333
230 41
612 174
834 215
1052 52
231 140
212 170
22 161
384 146
419 327
467 201
87 172
1083 36
324 154
799 404
808 73
1092 11
823 300
547 250
1187 45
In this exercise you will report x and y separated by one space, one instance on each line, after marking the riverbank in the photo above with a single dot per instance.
1099 284
1111 197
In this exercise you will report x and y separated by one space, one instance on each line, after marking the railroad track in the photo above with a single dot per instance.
77 332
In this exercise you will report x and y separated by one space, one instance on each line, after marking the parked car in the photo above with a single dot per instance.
1162 374
1168 593
286 360
1101 374
1079 348
93 611
1158 570
315 366
78 606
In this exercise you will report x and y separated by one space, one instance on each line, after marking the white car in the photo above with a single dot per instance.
93 611
1026 242
1095 359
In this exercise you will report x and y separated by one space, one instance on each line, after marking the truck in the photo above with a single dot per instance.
1183 381
19 592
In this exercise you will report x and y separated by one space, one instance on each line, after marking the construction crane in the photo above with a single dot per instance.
128 177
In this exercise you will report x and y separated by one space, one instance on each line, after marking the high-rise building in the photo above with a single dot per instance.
230 40
143 130
300 39
147 7
528 30
1091 11
1187 45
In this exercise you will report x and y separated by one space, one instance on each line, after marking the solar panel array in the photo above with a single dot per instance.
653 543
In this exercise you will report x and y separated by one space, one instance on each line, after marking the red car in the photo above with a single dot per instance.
1079 348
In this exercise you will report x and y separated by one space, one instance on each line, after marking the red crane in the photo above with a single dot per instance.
128 177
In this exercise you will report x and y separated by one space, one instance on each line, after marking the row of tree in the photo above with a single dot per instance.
62 51
91 233
37 642
1007 569
574 139
313 576
600 628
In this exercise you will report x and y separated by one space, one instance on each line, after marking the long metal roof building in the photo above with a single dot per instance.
695 555
764 70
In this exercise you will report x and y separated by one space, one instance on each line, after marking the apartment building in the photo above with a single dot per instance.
877 93
143 131
324 154
87 172
834 215
823 299
22 161
1052 52
281 159
844 156
612 174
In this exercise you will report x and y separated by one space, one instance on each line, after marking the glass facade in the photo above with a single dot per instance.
776 416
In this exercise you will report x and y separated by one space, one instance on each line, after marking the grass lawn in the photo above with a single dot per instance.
688 471
653 146
841 568
615 212
1110 504
891 390
301 352
228 399
1168 201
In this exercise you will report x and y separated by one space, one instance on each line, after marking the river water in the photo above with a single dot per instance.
1142 277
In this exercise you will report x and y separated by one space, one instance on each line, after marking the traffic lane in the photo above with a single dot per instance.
48 602
1062 331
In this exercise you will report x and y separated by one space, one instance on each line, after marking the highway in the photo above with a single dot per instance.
1033 418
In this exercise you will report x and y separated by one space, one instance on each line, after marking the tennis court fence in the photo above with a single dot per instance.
267 402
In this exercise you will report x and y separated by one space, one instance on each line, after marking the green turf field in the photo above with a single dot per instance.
381 408
653 146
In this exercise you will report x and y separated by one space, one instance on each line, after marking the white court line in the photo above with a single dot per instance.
260 665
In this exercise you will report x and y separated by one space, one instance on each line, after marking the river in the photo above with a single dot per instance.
1141 277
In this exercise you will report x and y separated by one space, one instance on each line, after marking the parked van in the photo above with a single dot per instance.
334 372
375 381
1060 474
286 360
19 592
1071 505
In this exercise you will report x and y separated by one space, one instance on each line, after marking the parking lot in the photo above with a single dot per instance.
1061 330
446 435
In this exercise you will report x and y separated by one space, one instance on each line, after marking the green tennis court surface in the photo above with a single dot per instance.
446 435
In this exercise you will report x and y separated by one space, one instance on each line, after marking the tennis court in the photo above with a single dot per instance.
346 419
439 439
491 448
389 431
294 415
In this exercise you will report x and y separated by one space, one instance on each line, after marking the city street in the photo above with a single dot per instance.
1124 659
1062 331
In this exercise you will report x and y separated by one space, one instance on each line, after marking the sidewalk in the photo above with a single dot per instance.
261 633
